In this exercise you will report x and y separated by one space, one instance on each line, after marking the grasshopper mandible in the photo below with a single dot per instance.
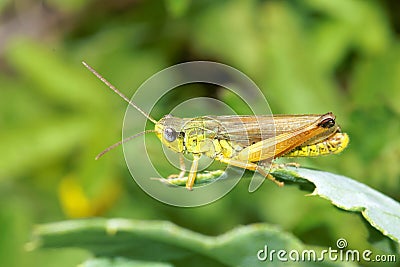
242 141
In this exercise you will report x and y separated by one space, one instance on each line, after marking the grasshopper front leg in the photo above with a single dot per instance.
193 172
182 168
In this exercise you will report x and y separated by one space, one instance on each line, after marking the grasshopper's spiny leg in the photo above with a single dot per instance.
250 166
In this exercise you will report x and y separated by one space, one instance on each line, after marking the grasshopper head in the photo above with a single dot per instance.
169 131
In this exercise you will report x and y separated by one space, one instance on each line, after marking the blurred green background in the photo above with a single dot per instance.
307 56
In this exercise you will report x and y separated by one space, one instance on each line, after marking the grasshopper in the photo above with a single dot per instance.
242 141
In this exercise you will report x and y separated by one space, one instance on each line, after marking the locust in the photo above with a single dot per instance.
244 141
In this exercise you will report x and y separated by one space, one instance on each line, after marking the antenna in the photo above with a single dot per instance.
112 87
121 142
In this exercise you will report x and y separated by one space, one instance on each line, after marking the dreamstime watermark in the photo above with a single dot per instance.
340 253
143 164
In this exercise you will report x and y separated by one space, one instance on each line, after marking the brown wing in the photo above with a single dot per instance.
247 130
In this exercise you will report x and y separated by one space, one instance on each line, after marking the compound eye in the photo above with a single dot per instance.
170 134
327 123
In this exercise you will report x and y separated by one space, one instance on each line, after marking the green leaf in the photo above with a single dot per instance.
165 242
379 210
120 262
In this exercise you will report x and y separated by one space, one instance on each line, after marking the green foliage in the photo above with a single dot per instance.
380 211
120 262
310 56
118 241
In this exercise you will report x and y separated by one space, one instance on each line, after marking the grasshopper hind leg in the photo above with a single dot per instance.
269 176
252 167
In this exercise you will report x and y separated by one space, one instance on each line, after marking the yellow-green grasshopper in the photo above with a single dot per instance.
242 141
